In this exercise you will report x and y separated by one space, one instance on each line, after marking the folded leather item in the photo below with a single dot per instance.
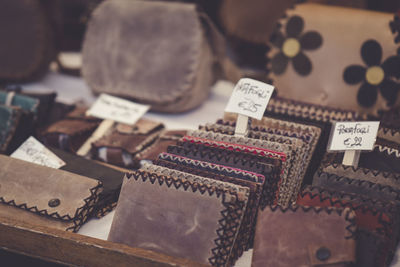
20 62
9 119
121 145
248 223
71 132
244 233
384 157
363 71
363 174
44 107
377 223
301 157
28 120
307 133
283 151
166 138
304 236
178 217
187 37
239 160
110 178
356 186
46 196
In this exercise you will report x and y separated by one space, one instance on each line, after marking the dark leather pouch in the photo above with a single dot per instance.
70 133
123 143
166 138
110 178
46 196
9 120
304 236
178 217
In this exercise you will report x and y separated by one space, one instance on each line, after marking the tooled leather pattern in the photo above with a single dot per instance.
309 111
210 154
230 217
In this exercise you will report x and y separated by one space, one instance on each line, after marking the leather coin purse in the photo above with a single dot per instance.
46 196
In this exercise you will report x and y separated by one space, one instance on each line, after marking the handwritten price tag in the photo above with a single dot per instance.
117 109
33 151
353 135
250 98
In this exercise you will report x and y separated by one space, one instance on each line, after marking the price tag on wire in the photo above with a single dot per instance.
249 99
352 138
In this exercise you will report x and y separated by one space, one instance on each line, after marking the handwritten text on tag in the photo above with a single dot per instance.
117 109
353 135
33 151
250 98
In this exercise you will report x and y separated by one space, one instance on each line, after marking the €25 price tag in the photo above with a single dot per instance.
117 109
250 98
353 135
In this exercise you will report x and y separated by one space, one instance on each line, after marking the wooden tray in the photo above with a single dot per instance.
54 245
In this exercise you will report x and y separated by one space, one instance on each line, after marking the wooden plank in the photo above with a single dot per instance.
75 249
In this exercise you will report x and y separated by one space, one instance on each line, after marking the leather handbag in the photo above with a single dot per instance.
165 54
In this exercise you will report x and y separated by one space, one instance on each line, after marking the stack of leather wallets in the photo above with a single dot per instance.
213 195
371 190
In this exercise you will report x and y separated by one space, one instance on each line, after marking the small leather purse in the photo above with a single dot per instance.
46 196
304 236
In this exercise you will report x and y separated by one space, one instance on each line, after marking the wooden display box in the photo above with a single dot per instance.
72 249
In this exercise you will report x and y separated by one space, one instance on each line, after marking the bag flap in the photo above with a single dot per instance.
59 194
154 35
142 126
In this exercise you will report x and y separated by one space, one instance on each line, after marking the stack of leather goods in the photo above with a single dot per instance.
253 173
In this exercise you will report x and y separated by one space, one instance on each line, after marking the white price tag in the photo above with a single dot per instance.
33 151
353 135
117 109
250 98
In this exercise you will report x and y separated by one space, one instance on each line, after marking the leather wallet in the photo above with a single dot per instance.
71 132
263 169
282 151
178 217
301 156
254 197
377 223
166 138
247 220
304 236
121 144
111 179
46 196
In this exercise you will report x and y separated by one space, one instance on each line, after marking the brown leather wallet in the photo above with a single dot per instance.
46 196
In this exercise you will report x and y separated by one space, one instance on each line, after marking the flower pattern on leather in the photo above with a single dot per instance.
375 76
292 46
395 27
